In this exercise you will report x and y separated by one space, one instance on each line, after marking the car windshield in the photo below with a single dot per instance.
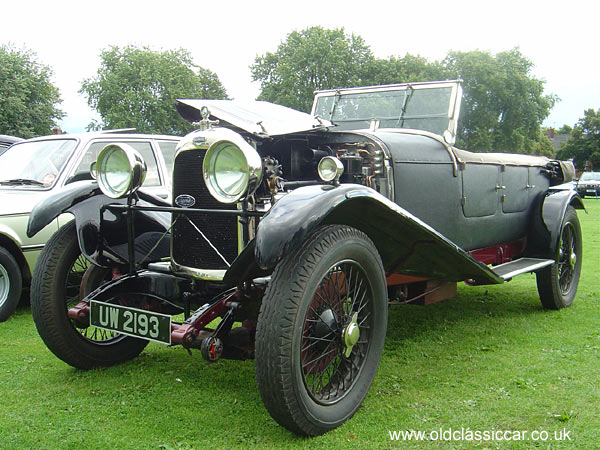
403 107
587 176
35 163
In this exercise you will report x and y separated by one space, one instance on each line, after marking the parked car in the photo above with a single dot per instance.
7 141
35 169
589 184
300 228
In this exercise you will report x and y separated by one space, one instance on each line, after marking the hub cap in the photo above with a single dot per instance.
4 285
351 335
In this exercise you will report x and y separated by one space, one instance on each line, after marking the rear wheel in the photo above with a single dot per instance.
557 284
321 331
62 276
10 284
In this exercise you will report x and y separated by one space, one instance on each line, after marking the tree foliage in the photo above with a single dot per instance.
406 69
28 99
312 59
584 144
137 87
503 104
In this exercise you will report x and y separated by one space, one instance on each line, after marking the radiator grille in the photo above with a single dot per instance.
190 249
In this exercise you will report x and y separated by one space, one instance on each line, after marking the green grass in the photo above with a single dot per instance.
490 359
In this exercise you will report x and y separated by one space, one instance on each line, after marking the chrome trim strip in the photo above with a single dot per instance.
209 274
29 248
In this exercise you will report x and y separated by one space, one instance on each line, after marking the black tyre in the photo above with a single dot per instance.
321 330
10 284
557 284
56 287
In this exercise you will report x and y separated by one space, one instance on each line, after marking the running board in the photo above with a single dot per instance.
511 269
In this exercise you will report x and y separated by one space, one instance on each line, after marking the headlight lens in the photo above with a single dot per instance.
330 168
121 170
231 170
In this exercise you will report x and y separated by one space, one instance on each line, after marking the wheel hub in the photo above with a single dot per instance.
573 260
326 323
4 285
351 335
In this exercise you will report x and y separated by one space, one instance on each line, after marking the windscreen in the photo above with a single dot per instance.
418 108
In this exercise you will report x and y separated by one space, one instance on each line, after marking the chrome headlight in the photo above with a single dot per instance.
120 170
330 169
232 169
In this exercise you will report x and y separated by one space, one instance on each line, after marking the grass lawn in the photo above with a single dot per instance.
490 359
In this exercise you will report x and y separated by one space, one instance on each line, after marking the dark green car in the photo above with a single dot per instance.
295 230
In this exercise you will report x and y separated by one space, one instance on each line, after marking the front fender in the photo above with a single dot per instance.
405 243
59 202
102 233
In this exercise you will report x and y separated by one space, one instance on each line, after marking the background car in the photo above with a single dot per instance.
33 169
589 184
7 141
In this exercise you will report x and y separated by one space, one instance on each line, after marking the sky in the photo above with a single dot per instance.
561 38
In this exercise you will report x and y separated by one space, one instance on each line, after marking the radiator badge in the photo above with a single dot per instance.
185 201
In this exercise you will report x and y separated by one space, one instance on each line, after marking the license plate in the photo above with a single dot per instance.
591 191
131 321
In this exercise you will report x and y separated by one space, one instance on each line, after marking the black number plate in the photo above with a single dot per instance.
131 321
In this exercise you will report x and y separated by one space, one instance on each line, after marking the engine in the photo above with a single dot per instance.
212 241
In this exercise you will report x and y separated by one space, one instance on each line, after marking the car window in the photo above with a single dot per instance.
167 149
587 176
144 148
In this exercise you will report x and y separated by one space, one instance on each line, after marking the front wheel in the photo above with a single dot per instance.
57 286
321 330
10 284
557 284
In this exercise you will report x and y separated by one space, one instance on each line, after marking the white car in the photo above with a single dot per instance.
32 169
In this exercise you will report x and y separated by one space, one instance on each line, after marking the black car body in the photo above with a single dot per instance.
300 228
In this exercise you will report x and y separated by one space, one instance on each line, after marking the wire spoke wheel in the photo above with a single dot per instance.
557 284
82 279
321 330
62 278
341 304
567 258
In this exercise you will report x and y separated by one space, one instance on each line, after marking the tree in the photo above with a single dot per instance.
503 104
309 60
28 99
565 129
406 69
137 87
584 144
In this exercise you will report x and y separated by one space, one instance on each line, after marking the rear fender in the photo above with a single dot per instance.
554 209
406 244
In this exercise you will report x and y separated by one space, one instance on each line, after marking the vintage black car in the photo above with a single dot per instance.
295 230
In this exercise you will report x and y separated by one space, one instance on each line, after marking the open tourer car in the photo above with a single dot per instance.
289 233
